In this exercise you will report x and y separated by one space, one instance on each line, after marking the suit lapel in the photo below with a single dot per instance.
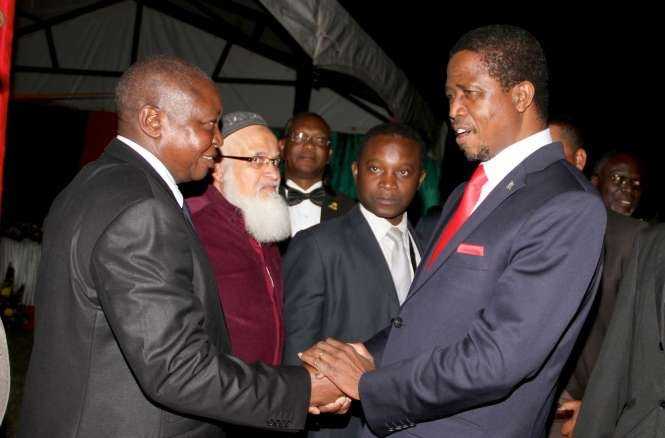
364 239
330 207
511 184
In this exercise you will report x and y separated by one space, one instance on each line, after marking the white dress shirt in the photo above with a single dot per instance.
380 227
157 165
306 213
508 159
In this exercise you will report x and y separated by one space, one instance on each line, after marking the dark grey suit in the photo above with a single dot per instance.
130 339
619 239
626 394
336 283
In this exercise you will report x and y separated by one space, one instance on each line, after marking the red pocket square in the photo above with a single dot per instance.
474 250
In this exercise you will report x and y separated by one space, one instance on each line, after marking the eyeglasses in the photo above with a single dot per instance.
625 181
302 138
256 161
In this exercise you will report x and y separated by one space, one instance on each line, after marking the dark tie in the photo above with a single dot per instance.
295 196
464 210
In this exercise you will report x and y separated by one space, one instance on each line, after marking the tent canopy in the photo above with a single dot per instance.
71 52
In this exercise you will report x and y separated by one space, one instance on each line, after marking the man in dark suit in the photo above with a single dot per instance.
504 289
626 394
346 278
306 151
130 338
620 235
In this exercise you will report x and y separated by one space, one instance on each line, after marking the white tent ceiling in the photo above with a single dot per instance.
71 53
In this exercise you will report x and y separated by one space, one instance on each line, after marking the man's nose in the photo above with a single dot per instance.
388 180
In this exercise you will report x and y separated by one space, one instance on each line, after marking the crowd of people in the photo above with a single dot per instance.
529 303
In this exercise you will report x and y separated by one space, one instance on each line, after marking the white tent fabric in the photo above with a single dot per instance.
336 42
102 40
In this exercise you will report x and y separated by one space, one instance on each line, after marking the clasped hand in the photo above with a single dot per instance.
337 368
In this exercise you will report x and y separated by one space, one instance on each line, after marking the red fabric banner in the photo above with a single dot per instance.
100 130
6 37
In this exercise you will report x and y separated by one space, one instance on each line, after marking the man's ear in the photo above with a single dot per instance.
281 143
354 171
150 121
580 159
522 95
423 175
217 173
595 180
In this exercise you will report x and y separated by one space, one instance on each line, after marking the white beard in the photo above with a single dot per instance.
266 217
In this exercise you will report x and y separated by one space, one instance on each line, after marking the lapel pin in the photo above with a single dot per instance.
333 206
510 185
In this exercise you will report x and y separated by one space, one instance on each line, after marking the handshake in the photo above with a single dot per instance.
335 369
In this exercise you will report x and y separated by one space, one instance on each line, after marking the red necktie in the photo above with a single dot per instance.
464 210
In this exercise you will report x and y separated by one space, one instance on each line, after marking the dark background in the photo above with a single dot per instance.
604 65
605 75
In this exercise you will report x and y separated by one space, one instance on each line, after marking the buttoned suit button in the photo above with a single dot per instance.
397 322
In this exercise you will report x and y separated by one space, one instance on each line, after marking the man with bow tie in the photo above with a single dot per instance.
306 150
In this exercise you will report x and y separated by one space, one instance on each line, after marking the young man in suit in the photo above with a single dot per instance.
306 151
130 339
505 287
347 277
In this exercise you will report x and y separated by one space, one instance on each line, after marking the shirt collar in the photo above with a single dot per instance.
293 185
155 164
381 226
505 161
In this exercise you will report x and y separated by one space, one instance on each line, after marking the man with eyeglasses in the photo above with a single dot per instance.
239 218
618 177
306 151
620 235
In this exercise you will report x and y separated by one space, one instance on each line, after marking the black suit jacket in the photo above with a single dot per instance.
626 394
130 339
620 236
335 205
336 283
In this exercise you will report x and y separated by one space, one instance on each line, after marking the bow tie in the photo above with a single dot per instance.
295 196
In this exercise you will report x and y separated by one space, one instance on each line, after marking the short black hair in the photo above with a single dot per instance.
511 55
396 130
569 129
143 80
299 116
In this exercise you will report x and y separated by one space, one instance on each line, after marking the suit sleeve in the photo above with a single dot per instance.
552 263
607 392
142 267
304 295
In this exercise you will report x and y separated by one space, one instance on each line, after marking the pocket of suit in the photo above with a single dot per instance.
469 261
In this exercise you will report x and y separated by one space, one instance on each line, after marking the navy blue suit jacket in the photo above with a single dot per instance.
481 339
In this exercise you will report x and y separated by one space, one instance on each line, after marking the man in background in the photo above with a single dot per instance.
306 150
239 218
